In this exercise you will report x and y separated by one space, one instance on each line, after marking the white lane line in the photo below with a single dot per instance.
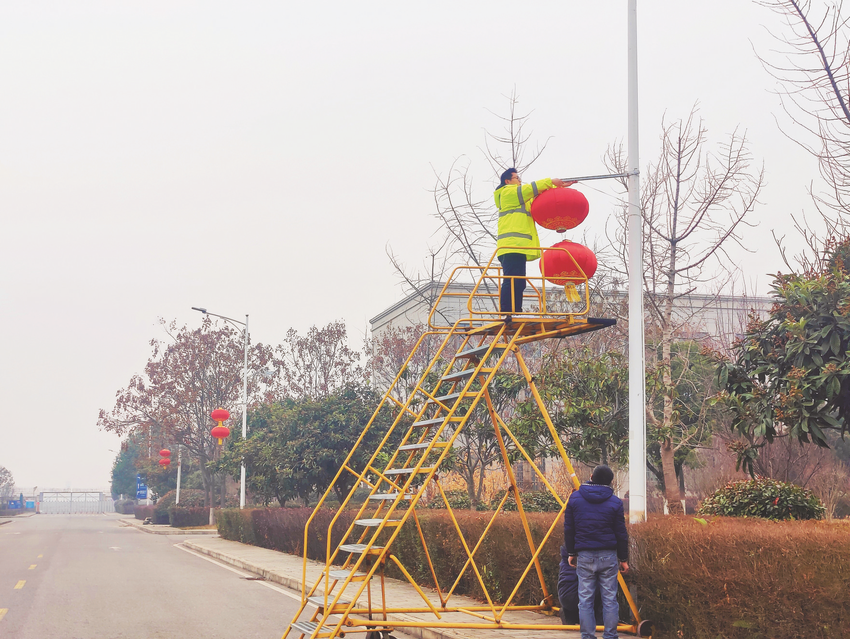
283 591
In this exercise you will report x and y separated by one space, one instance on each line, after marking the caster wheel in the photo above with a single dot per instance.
644 628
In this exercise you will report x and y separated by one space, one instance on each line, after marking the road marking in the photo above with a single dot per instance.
40 556
3 612
32 567
20 584
115 548
285 592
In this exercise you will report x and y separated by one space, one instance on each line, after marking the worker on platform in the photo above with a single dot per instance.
517 239
596 539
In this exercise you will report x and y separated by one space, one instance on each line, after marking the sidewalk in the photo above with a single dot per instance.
164 529
286 570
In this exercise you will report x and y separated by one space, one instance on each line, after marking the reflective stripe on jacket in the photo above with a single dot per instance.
516 226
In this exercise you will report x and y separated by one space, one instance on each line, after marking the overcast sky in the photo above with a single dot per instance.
259 157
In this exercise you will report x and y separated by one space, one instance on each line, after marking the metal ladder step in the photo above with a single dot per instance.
479 352
429 422
320 601
360 549
371 523
445 399
454 377
342 575
306 627
389 496
422 446
406 471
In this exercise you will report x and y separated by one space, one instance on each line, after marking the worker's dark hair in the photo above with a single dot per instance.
602 475
507 176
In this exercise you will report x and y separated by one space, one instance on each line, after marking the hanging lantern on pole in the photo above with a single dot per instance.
164 462
221 431
165 453
560 209
575 264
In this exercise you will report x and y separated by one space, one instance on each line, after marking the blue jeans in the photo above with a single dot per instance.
597 568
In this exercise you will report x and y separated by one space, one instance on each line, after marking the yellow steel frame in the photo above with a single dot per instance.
466 348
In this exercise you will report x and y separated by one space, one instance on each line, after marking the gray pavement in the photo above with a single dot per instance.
286 570
90 577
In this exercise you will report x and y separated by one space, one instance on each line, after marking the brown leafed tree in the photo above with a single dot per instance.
188 376
695 202
315 365
391 354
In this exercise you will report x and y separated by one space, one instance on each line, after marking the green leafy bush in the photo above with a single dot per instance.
181 517
532 502
188 499
763 497
458 500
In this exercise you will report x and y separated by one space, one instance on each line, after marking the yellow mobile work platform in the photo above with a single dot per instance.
455 378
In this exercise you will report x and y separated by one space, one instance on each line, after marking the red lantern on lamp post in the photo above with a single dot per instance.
560 209
568 267
165 453
164 462
221 431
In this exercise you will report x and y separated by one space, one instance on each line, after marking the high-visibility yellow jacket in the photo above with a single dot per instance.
516 226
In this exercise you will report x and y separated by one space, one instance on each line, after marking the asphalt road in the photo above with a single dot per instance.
85 576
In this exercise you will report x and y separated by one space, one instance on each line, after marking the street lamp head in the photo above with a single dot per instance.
195 308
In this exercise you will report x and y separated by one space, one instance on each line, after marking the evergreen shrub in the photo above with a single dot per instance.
143 512
763 497
180 517
541 501
458 500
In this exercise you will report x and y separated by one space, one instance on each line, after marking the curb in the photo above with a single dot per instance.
160 529
294 583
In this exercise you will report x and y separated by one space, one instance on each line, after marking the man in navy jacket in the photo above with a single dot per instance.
596 539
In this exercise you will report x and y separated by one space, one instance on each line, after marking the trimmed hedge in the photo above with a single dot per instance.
729 578
125 506
180 517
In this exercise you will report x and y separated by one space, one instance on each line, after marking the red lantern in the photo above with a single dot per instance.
165 453
560 209
220 415
567 270
220 432
164 462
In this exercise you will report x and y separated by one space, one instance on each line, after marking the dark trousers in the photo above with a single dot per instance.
513 272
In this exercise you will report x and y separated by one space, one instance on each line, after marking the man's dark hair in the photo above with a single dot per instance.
507 176
602 475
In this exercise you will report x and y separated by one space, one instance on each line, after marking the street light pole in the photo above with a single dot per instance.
244 418
637 370
244 395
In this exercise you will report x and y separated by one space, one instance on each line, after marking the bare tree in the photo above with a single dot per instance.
695 203
466 233
813 72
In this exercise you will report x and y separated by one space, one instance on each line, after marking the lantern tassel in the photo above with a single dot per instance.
572 293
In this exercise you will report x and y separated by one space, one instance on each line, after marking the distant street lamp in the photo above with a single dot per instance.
244 395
